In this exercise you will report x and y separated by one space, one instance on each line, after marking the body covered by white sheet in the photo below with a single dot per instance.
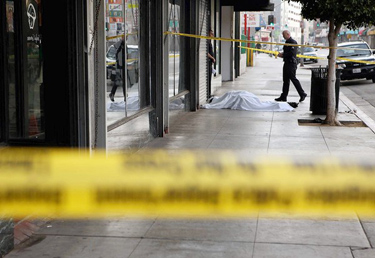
244 100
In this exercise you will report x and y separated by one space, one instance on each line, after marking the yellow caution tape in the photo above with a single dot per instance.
312 57
355 61
69 184
255 42
115 37
228 39
120 36
275 53
261 42
127 60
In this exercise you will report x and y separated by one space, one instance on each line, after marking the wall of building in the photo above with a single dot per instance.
291 19
227 47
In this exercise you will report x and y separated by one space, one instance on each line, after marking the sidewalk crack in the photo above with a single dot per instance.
364 230
269 136
255 237
325 141
140 240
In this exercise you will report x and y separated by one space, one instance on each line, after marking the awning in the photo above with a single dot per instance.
249 5
364 33
349 32
371 32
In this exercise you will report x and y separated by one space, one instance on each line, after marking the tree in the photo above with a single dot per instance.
350 13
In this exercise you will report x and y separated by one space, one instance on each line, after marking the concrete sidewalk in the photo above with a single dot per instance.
250 133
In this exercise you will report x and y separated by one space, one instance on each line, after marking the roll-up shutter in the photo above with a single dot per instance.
203 64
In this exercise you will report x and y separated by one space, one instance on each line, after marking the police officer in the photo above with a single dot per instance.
289 56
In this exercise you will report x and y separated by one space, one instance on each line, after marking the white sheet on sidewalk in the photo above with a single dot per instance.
244 100
133 105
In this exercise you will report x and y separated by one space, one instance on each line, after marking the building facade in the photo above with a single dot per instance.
60 61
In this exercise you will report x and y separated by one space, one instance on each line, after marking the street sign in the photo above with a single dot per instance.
269 27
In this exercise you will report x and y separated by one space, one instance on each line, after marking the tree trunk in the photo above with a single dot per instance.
331 118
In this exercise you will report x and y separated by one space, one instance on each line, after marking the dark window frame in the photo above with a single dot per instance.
3 73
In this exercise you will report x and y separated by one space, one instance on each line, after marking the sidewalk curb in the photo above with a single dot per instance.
359 113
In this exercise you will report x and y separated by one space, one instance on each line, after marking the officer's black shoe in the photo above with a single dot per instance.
112 97
281 99
302 98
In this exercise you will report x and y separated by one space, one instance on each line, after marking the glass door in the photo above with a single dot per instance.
24 70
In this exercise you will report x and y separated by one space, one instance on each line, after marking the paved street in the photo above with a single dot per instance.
250 134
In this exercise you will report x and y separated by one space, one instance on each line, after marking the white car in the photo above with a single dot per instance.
360 51
309 51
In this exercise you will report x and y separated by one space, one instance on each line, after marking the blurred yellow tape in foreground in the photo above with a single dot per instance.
69 184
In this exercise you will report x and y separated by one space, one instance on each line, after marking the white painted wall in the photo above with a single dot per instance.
227 57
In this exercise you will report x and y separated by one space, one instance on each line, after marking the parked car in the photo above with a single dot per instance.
356 51
110 60
131 63
308 51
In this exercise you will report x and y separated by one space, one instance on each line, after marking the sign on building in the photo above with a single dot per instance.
115 11
253 20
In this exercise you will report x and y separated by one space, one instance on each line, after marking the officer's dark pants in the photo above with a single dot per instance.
289 74
118 82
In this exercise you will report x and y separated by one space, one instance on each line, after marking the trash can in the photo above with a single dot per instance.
318 96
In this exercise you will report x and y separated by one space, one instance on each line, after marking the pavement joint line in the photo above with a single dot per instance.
255 236
364 231
196 240
87 236
325 140
360 114
319 245
269 137
136 247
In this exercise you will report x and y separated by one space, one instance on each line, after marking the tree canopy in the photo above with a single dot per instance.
350 13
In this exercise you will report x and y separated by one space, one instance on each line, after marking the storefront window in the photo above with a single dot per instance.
34 88
174 48
122 31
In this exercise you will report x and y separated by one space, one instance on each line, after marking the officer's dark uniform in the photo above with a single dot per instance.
289 70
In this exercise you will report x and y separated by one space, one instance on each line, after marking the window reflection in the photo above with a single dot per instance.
122 31
174 49
177 56
132 55
34 104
